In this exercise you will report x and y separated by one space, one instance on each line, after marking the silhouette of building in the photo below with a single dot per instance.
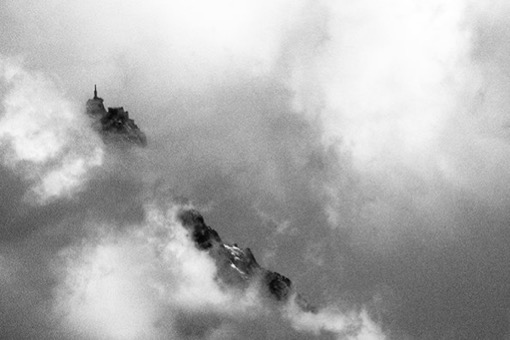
95 105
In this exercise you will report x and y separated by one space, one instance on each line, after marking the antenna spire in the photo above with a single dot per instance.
95 92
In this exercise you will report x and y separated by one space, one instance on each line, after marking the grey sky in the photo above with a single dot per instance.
362 150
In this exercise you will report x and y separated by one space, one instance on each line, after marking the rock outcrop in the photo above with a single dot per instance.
114 124
237 267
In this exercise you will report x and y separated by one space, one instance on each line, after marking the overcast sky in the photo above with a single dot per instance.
360 148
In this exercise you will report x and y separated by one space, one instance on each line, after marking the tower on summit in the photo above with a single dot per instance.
95 105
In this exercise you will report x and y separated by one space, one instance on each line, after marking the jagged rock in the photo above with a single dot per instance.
237 267
203 235
114 124
279 286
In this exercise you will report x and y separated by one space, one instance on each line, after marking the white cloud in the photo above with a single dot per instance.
43 135
152 282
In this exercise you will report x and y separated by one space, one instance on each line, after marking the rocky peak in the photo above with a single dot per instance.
114 124
237 267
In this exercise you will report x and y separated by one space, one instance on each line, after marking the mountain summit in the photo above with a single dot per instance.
114 124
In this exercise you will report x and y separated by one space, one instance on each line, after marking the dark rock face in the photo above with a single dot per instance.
114 124
237 267
117 124
204 236
279 285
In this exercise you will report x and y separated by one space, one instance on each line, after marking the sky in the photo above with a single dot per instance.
361 149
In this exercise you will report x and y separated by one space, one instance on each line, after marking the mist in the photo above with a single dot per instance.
360 149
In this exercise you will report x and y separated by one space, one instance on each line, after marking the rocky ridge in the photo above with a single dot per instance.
238 267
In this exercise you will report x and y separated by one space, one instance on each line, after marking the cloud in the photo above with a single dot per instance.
43 136
346 325
152 282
